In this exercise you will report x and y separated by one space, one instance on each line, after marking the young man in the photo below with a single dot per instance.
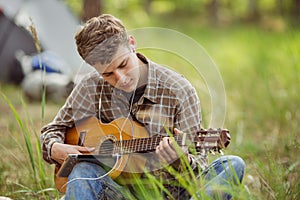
127 84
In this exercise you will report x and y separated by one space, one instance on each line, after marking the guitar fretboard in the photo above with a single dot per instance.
204 141
140 144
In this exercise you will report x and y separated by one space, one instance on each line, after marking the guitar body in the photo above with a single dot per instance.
91 132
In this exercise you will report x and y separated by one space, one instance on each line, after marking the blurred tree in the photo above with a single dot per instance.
280 7
296 8
147 5
216 12
91 8
253 11
213 8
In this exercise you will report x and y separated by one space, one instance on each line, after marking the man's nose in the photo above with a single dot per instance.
119 75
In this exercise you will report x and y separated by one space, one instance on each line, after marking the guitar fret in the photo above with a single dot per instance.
143 147
208 140
153 141
146 144
125 146
204 141
130 146
133 145
138 145
156 142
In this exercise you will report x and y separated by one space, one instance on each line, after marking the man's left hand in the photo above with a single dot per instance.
168 151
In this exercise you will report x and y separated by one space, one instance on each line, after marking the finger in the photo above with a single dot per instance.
161 155
60 161
175 151
85 149
177 131
167 151
165 145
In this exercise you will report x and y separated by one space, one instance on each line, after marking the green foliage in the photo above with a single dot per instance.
37 172
260 66
216 12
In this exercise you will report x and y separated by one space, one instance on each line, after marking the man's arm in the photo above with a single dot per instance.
80 104
188 120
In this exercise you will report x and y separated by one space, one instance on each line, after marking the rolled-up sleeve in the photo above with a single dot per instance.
50 135
79 105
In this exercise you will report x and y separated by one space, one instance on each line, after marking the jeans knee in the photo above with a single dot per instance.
238 162
86 169
238 165
84 177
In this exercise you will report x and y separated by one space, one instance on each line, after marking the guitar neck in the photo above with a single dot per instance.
204 141
139 145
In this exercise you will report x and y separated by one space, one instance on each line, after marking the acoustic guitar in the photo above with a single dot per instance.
122 143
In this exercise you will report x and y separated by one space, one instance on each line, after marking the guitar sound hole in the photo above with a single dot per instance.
107 161
106 148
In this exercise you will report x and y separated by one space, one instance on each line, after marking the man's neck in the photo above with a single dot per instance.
143 74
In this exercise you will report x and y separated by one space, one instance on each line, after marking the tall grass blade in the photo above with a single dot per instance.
25 132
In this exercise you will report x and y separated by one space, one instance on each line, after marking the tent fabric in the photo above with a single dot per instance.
13 38
55 25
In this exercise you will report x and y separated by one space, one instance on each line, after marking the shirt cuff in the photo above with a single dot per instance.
47 150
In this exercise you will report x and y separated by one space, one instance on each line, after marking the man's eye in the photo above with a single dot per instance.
123 64
107 74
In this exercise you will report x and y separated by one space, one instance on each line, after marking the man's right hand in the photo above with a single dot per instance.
59 151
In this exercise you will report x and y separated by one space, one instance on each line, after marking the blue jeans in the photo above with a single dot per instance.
220 176
222 172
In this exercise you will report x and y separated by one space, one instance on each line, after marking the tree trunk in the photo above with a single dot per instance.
147 6
213 7
253 10
296 8
91 8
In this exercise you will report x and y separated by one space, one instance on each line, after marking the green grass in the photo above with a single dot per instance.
22 151
261 72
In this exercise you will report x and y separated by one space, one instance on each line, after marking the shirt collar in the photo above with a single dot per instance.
150 91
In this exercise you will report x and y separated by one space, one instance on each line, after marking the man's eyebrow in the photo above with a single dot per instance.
120 65
123 62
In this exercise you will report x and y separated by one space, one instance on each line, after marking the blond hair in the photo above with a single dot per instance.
100 38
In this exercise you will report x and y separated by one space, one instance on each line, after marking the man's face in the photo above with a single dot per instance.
123 72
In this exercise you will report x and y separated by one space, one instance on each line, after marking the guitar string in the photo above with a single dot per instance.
121 139
140 144
100 177
121 143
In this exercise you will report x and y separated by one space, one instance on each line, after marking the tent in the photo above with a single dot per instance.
55 26
12 38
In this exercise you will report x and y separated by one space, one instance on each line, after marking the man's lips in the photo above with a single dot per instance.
126 84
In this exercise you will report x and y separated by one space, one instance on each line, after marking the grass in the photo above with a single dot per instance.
21 150
260 70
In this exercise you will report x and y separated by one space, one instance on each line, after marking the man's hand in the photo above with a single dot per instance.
59 152
169 152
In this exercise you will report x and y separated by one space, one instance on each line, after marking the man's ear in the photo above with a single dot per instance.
132 42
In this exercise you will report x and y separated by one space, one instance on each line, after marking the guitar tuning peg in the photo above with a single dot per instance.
221 152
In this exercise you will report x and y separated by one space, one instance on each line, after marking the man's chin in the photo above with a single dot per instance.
127 89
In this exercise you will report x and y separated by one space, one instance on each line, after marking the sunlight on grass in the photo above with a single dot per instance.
261 72
37 168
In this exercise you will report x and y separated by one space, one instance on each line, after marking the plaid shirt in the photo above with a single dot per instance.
169 101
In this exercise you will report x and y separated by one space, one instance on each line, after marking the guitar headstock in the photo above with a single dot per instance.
210 140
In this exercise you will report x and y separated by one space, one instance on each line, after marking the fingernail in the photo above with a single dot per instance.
91 148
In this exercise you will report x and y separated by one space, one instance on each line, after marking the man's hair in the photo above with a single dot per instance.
100 38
